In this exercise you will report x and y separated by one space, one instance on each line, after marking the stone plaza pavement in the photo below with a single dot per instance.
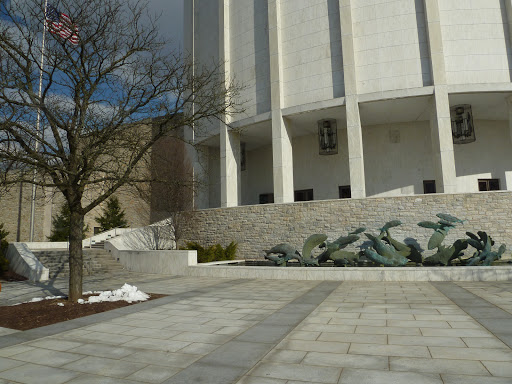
271 332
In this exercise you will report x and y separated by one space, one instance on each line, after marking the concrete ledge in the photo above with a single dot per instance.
479 88
245 121
396 94
315 106
355 274
169 262
24 263
48 245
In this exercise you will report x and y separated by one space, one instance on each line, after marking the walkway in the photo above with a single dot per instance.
273 332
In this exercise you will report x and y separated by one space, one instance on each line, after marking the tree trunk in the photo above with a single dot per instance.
75 255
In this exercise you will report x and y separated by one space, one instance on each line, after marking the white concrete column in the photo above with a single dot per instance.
201 179
197 155
48 194
230 186
282 159
508 174
508 10
440 123
442 142
354 131
282 153
229 167
355 148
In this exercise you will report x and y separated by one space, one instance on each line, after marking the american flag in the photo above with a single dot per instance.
60 24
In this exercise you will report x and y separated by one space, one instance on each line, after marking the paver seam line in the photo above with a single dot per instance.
503 287
468 296
326 287
37 333
487 369
80 374
446 287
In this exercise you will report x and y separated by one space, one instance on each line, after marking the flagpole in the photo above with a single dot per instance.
38 127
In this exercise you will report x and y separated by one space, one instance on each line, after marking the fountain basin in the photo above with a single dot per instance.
462 273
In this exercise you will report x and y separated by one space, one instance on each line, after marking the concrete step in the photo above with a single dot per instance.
98 245
95 261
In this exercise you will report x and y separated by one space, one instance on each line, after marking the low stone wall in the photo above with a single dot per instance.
355 274
259 227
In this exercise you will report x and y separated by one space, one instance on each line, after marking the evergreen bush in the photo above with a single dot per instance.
112 216
61 227
213 253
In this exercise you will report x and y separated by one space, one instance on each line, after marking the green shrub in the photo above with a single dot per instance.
212 253
4 263
61 225
112 216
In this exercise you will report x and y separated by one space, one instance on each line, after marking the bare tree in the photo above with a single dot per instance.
94 95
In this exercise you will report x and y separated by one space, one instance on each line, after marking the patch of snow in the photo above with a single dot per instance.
91 292
36 299
60 304
127 292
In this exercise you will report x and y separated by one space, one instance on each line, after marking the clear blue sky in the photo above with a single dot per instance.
171 18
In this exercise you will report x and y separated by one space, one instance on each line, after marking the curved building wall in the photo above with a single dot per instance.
390 38
388 71
258 175
476 41
390 45
311 51
489 157
250 62
398 157
323 174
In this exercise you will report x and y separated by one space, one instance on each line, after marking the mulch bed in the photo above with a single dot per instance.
11 276
33 315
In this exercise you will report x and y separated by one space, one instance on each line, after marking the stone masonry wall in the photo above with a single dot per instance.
259 227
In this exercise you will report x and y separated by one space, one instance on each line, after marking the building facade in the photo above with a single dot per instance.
356 98
147 203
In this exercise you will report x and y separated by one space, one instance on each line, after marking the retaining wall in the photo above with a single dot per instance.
259 227
355 274
24 263
168 262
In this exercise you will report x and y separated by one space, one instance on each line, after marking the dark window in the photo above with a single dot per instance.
344 192
304 195
429 186
488 184
266 198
